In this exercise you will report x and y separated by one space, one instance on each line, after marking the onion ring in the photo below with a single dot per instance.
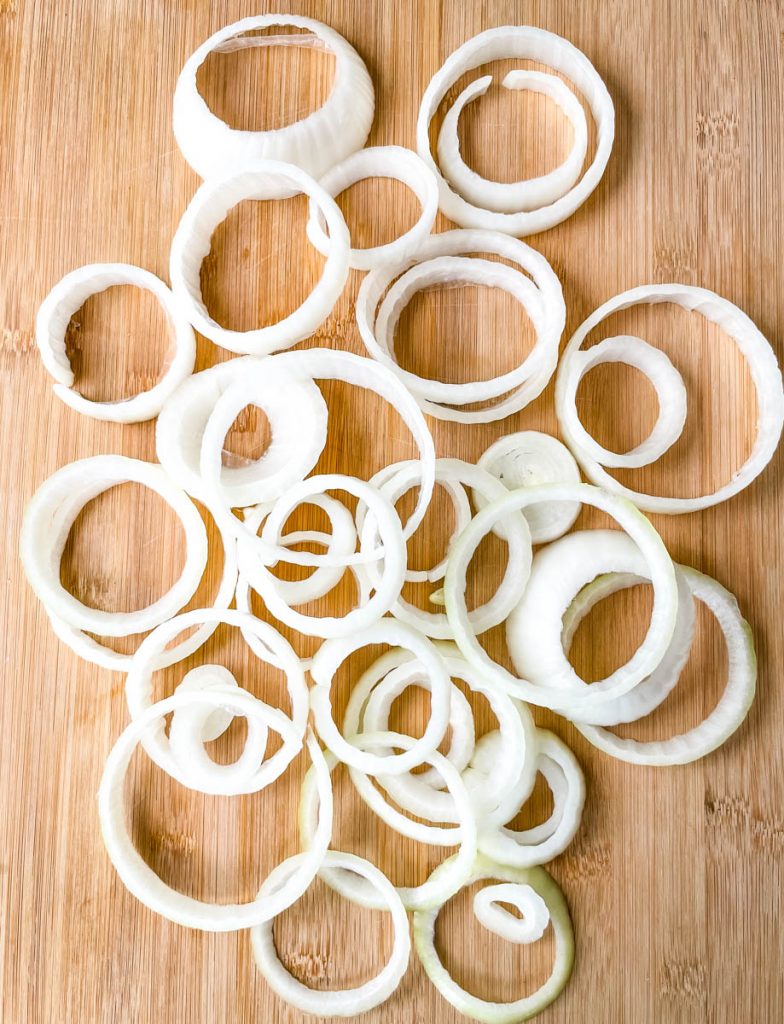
67 297
763 368
314 143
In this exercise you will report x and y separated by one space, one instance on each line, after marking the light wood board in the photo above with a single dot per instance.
675 878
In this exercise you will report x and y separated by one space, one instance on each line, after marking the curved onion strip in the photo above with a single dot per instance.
534 629
544 305
564 689
211 724
142 881
192 240
331 655
515 533
342 1002
526 459
653 690
51 513
67 297
489 912
666 381
386 588
138 693
733 706
497 795
763 368
520 42
461 508
99 654
520 848
520 1009
380 162
531 193
297 416
315 143
433 892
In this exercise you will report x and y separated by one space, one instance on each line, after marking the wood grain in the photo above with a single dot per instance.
675 878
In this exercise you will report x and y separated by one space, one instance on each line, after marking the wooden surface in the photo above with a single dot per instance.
675 877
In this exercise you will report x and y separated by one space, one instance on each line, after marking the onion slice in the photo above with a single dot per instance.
67 297
315 142
546 889
531 193
521 42
260 180
380 162
342 1002
762 364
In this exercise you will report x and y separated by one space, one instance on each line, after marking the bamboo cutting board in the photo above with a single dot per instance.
674 879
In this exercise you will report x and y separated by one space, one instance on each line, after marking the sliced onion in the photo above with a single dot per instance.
515 532
434 891
342 1002
534 629
763 368
328 659
665 379
315 142
728 714
527 459
212 724
67 297
380 162
249 776
438 260
521 42
564 689
139 878
531 193
51 513
544 886
489 912
260 180
537 846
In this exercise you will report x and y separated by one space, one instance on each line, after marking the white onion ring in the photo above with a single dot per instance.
520 1009
48 519
273 649
565 690
666 381
520 42
436 260
67 297
527 459
763 368
380 162
531 193
489 912
516 535
142 881
191 245
728 714
331 655
341 1002
314 143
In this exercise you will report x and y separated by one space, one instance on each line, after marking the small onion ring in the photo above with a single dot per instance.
380 162
531 193
763 368
331 655
666 381
342 1002
191 245
489 912
67 297
527 459
520 1009
570 694
521 42
314 143
52 511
